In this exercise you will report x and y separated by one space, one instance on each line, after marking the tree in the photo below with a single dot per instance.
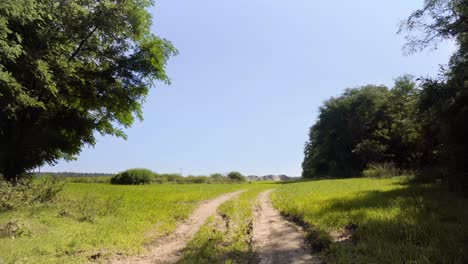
69 69
364 125
443 104
342 138
236 176
436 21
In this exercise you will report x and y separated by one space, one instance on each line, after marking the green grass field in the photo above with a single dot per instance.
95 220
397 222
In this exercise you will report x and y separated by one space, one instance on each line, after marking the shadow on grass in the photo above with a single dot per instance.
213 251
297 181
412 224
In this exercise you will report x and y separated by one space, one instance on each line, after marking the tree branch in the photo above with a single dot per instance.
81 44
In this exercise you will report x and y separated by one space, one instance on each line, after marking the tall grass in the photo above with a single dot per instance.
393 221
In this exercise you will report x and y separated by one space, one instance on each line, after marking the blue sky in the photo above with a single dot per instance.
249 79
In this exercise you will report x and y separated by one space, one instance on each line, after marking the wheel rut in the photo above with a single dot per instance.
169 249
276 240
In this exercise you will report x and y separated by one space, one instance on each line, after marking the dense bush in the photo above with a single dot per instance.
217 176
88 179
145 176
190 179
28 191
133 176
236 176
381 170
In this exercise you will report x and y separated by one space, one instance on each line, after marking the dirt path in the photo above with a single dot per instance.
169 249
277 241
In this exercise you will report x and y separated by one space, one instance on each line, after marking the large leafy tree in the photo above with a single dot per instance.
443 104
364 125
343 134
68 69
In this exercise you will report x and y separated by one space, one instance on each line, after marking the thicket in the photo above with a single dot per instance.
236 176
145 176
28 191
133 176
419 126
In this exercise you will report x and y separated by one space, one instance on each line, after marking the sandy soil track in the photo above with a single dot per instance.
169 249
277 241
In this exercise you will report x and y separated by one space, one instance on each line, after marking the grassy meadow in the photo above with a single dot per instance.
391 220
91 221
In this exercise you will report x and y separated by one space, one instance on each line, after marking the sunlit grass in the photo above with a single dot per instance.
228 237
99 220
396 222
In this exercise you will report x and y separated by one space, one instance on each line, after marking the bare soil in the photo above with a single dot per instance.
169 249
276 240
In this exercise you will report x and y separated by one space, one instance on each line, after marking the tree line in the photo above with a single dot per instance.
418 124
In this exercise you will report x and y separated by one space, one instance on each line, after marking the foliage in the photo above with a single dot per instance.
133 176
216 176
393 221
436 21
75 174
69 69
88 179
365 125
28 192
177 178
155 178
381 170
101 219
236 176
443 101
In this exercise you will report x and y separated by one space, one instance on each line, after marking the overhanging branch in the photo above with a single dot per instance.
81 44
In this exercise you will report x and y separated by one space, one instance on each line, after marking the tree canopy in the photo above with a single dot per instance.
421 127
364 125
443 102
69 69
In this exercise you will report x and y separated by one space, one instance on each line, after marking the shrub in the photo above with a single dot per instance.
88 179
217 176
133 176
381 170
196 179
173 177
45 188
28 191
236 176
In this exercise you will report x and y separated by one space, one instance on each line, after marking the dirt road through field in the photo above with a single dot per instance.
169 249
277 241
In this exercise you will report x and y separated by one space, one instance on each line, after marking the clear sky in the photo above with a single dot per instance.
249 79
